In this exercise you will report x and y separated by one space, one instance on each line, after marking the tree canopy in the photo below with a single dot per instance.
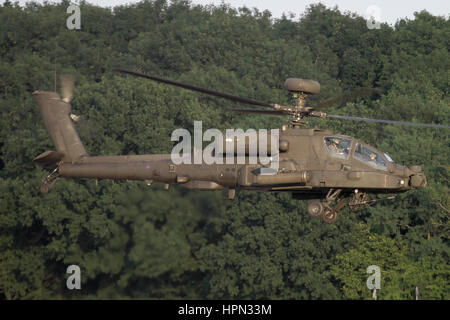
132 241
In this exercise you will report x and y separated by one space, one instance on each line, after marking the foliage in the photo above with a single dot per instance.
134 242
399 274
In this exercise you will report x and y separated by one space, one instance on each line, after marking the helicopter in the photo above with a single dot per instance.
328 169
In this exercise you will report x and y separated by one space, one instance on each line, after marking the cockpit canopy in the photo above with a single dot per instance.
341 147
370 157
338 147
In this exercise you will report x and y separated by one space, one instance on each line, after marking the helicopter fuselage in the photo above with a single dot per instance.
306 165
310 163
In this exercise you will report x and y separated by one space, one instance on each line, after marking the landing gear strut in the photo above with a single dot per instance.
49 181
323 209
330 213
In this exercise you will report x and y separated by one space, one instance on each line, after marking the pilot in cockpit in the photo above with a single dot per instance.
336 147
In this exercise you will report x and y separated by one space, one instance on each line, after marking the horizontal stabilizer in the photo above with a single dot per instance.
49 159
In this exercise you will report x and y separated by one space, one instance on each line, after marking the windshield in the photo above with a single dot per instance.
338 147
370 157
388 157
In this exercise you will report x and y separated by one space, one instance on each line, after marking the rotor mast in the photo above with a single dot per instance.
300 88
300 101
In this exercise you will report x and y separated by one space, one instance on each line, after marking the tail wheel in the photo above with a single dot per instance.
45 189
315 209
329 215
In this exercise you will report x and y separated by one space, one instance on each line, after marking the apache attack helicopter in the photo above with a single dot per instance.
330 169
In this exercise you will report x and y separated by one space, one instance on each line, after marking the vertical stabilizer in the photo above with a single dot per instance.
56 115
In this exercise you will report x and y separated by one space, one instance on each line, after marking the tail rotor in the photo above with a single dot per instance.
67 88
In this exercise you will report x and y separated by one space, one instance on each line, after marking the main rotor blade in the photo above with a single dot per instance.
352 95
266 112
198 89
389 121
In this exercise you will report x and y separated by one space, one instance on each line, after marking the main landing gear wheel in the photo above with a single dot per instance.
329 215
315 209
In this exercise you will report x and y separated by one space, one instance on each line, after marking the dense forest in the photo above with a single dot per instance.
134 241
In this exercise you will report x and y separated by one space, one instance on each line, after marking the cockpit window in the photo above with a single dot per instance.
388 157
370 157
338 147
